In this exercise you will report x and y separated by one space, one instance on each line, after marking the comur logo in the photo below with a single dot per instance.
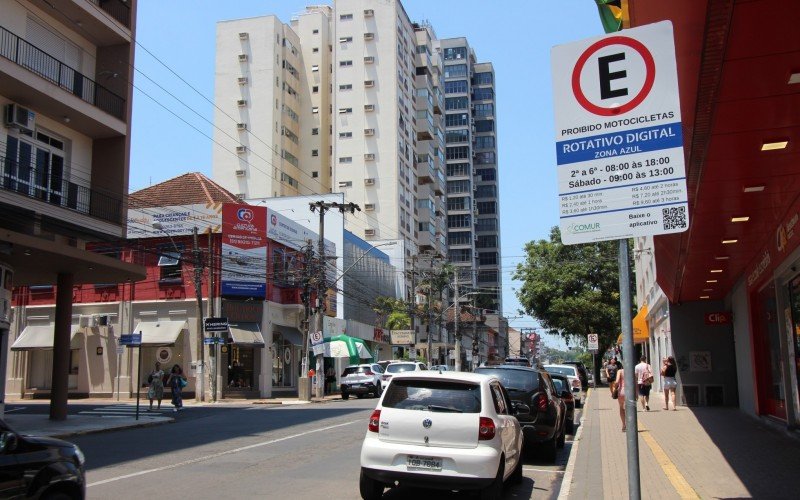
274 220
244 214
584 228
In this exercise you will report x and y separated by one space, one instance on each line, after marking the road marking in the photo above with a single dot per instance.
680 484
16 409
220 454
533 469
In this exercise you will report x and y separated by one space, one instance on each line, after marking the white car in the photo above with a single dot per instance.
361 380
395 368
571 372
450 431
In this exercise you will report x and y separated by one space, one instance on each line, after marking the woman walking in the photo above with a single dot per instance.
668 370
176 382
156 389
620 383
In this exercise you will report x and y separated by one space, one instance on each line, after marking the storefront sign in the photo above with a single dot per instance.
402 337
244 250
380 336
785 242
215 324
718 318
619 136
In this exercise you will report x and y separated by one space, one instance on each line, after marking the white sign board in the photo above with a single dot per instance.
619 139
316 338
594 342
402 337
412 353
175 220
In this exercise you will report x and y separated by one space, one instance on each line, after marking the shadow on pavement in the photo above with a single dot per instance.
525 489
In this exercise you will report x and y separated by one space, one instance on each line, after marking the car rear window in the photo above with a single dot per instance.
355 369
400 367
559 384
563 370
433 395
514 380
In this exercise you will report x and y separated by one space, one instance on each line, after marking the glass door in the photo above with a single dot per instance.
794 304
769 372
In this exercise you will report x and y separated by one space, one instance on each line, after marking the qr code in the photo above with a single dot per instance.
674 217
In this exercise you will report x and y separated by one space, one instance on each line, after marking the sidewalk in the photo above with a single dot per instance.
76 424
702 452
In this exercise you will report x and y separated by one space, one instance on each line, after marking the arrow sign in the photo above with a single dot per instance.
133 339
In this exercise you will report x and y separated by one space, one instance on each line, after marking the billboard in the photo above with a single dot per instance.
244 250
179 220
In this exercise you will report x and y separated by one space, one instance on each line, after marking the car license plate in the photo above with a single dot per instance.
356 385
414 462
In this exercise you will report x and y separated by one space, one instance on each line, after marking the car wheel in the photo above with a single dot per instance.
369 488
345 396
562 438
548 449
516 476
495 490
571 425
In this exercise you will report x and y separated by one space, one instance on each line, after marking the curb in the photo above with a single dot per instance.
566 481
166 420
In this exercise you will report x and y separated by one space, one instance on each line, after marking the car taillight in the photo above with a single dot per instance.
540 402
486 429
374 420
576 383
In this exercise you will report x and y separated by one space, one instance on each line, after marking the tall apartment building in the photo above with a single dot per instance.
473 203
65 94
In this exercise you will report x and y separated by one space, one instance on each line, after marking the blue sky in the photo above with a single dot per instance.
516 36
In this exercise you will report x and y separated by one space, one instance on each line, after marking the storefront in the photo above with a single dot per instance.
243 360
36 342
287 356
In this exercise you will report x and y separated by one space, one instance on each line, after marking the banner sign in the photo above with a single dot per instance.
175 220
244 250
402 337
619 136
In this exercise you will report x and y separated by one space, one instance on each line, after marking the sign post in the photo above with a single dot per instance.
215 325
135 340
620 161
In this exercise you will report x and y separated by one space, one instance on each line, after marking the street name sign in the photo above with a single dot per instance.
619 139
130 339
213 340
215 324
594 342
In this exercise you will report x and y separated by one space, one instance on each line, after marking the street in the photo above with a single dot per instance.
245 451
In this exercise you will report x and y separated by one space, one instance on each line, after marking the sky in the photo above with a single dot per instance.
175 62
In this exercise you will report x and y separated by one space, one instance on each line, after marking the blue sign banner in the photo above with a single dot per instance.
133 339
213 340
620 143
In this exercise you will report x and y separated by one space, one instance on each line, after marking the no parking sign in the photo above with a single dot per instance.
619 139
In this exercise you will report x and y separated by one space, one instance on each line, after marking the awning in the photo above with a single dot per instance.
159 333
344 346
41 337
290 334
246 333
641 332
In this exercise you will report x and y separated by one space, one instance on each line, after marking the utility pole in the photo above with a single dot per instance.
214 351
413 299
457 313
475 345
304 389
198 291
430 320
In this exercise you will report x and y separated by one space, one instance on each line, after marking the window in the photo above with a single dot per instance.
458 169
315 50
489 275
290 158
483 110
487 174
460 254
451 103
345 184
453 53
315 67
289 135
460 135
315 131
484 126
482 79
487 241
457 153
345 110
485 158
455 187
315 32
456 70
345 39
289 180
346 17
459 221
170 264
346 86
346 63
315 152
345 159
484 142
487 258
459 203
315 110
419 395
456 87
489 191
459 238
487 207
345 135
456 120
314 174
486 224
482 94
314 89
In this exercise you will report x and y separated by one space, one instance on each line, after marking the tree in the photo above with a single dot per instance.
392 313
573 290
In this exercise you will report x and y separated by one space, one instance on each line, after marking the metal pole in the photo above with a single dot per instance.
119 370
634 488
476 347
457 314
430 320
413 299
198 291
320 293
139 377
214 350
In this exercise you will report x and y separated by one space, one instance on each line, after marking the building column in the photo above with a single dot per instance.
61 347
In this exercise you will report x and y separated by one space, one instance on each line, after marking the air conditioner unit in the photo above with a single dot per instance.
475 212
242 80
241 149
242 57
369 36
240 195
369 131
22 118
241 103
369 59
240 173
369 156
369 107
369 232
241 126
369 12
369 182
243 36
369 207
369 83
474 171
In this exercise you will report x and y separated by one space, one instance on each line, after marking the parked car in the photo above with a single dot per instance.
543 427
583 373
388 362
442 368
39 467
449 431
395 368
517 361
561 383
361 380
571 371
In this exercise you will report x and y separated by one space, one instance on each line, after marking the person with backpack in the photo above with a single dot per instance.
176 382
644 380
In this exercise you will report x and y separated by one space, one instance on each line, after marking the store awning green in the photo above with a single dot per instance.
344 346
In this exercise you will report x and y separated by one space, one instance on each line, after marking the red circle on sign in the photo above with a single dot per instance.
650 75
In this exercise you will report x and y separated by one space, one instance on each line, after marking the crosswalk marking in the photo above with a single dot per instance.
121 411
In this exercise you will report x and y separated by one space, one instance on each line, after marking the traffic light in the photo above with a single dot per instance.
612 14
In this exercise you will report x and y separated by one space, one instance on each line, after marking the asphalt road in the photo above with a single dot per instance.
246 451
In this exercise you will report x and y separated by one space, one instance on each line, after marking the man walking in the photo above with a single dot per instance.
611 373
644 381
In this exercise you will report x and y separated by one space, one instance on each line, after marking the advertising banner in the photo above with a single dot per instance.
244 250
175 220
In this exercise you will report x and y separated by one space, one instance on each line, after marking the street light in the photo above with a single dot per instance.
198 291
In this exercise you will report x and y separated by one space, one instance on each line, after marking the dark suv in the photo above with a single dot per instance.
583 373
39 467
543 427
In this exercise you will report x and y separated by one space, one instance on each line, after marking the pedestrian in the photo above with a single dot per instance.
156 382
330 378
619 383
669 369
611 373
644 381
176 382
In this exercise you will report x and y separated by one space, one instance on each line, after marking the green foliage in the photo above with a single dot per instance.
573 290
392 313
398 321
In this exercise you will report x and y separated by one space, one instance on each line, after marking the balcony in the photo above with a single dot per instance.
425 170
118 9
48 186
31 58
